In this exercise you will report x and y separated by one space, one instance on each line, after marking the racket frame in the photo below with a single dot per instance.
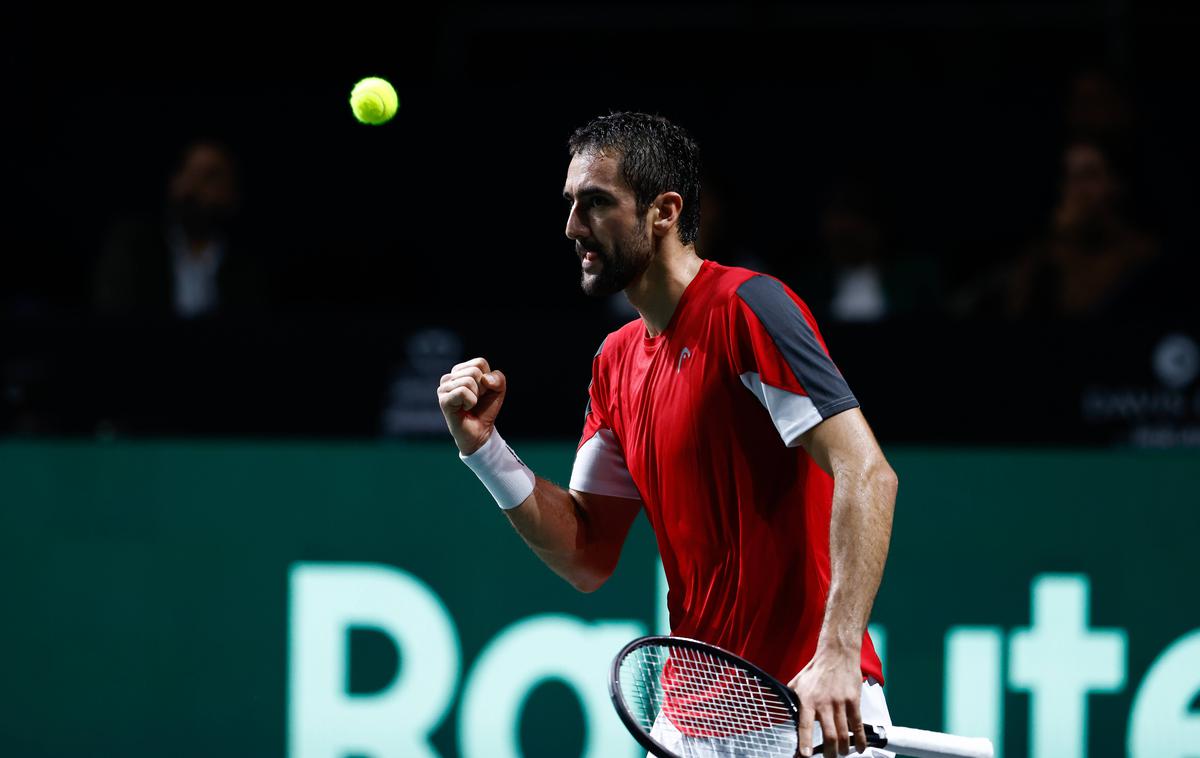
913 742
876 736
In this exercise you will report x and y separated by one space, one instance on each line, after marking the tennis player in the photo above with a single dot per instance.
720 413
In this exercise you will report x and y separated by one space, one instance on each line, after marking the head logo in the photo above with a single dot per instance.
685 353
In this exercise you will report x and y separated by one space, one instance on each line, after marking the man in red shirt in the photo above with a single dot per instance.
721 414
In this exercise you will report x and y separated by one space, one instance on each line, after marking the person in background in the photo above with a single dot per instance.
1093 258
184 263
858 275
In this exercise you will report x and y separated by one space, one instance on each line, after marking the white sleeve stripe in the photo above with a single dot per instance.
600 468
793 414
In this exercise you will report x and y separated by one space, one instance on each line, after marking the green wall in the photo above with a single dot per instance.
152 594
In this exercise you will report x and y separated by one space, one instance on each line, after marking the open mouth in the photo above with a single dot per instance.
588 257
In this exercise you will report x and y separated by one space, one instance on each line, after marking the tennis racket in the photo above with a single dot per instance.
682 698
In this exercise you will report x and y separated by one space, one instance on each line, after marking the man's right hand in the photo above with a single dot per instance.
470 397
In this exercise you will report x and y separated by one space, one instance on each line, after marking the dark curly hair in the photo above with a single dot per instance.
655 156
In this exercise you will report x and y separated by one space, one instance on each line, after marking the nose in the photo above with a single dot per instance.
576 228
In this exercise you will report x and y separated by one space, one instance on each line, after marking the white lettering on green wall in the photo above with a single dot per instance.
974 701
1162 723
326 721
1059 661
527 653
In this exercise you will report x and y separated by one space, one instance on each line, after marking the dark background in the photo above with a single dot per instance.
148 579
450 217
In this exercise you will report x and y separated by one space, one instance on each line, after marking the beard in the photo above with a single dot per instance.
620 265
199 221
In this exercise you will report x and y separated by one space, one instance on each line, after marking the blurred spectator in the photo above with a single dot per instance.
1092 259
858 276
1097 109
411 408
185 263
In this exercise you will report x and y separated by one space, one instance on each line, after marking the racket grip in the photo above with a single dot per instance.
922 744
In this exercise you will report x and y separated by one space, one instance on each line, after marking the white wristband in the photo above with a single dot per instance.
504 474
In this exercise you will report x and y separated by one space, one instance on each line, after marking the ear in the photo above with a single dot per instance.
664 213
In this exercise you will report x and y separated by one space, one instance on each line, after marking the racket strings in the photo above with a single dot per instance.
716 708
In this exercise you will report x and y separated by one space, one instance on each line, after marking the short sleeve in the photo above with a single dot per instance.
780 357
600 467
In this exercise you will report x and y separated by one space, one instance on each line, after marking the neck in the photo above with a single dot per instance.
655 294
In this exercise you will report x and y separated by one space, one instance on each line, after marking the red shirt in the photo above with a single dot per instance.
702 422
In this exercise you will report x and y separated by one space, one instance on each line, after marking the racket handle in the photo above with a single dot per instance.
922 744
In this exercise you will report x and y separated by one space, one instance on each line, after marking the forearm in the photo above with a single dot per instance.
864 497
557 529
577 534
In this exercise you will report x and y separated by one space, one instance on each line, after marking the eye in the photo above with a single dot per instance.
597 202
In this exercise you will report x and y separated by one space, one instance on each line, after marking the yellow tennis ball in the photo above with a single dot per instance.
374 101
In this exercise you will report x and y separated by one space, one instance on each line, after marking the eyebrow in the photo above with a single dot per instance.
586 192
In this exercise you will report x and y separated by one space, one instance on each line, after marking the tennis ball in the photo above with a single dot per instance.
374 101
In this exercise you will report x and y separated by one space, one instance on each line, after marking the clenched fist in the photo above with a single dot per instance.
470 397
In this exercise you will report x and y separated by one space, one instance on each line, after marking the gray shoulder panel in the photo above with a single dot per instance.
798 344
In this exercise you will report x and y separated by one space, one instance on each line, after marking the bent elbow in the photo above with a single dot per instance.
882 479
591 574
588 582
586 586
888 479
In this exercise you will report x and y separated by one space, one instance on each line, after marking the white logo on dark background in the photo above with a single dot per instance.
1177 361
1163 415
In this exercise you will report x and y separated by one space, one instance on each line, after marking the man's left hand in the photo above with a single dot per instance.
830 689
